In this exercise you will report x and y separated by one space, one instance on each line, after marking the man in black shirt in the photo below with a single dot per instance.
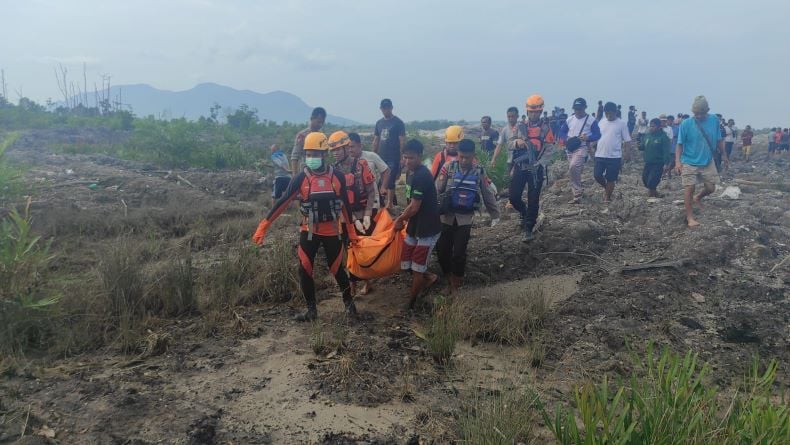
424 224
389 138
489 136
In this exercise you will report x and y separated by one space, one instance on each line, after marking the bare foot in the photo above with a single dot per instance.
693 222
432 279
698 202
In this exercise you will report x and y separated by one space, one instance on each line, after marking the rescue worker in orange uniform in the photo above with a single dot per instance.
361 188
527 170
323 197
452 136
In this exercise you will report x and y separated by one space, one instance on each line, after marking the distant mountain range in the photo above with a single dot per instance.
276 106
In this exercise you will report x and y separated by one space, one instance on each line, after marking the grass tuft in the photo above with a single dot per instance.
443 333
122 284
500 417
512 318
173 291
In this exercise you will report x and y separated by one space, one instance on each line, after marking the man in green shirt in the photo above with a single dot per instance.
655 145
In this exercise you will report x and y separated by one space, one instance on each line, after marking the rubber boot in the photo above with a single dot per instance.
311 314
528 235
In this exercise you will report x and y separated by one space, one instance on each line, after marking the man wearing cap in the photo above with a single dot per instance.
584 129
609 152
389 138
529 160
462 184
698 138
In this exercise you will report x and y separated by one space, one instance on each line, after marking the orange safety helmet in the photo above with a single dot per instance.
454 133
535 103
315 141
338 139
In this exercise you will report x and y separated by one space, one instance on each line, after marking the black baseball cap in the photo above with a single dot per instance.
385 103
466 146
579 103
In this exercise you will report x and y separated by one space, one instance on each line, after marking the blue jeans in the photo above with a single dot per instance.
525 179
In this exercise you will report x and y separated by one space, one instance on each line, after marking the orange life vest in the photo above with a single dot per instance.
321 199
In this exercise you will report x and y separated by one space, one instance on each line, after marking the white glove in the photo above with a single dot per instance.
366 222
358 225
494 222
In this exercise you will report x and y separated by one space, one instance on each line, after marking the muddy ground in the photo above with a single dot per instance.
719 293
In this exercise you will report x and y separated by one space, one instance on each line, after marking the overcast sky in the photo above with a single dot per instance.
453 60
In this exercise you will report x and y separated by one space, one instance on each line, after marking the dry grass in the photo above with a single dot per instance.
155 344
443 333
502 416
511 318
251 275
122 283
328 337
173 291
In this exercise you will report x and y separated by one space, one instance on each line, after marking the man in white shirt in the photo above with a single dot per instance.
377 165
641 126
666 126
609 153
583 127
729 137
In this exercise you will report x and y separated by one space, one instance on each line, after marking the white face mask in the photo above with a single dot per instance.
313 163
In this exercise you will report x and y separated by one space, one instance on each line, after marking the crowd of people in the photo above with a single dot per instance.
341 188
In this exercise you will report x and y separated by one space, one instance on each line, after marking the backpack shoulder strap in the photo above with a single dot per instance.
583 125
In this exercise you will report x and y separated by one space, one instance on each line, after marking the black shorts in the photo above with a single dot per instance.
608 168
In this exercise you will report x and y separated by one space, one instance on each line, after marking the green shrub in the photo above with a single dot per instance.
498 174
672 404
25 301
10 186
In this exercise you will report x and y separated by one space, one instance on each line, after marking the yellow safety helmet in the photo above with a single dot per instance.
454 133
535 103
316 141
338 139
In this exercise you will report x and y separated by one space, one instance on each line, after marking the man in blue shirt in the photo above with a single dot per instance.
698 139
